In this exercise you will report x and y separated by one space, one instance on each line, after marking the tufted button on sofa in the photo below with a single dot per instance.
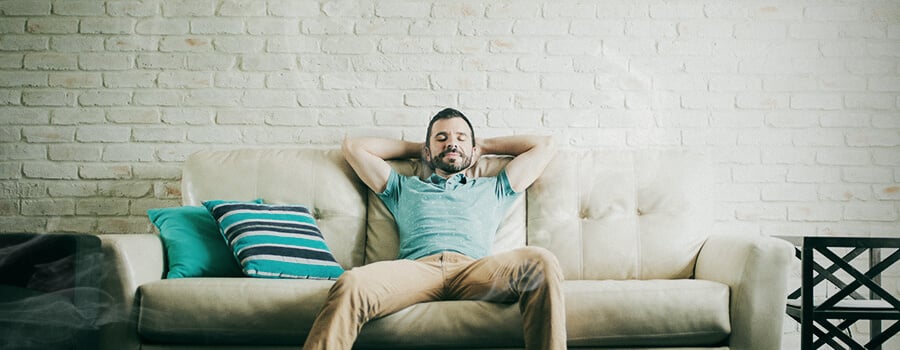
632 230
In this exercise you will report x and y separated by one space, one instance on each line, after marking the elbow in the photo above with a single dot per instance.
347 146
547 143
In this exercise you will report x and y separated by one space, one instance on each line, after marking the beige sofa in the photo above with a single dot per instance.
631 229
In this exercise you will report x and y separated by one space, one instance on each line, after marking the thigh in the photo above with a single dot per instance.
497 278
390 286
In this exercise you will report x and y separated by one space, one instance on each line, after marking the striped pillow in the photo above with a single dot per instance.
275 241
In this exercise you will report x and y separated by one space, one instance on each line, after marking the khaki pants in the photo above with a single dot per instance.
530 276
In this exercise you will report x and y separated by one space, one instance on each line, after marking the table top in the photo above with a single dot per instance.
844 241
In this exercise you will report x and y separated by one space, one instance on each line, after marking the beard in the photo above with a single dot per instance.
459 164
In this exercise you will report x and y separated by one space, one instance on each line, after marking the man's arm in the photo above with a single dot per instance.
532 154
367 157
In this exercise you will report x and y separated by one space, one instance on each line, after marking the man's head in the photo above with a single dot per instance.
450 142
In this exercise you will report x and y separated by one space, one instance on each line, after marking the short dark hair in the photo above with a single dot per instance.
448 113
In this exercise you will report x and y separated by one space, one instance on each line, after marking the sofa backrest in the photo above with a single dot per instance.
318 178
606 214
635 214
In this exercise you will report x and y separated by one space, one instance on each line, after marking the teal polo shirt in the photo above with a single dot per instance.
459 214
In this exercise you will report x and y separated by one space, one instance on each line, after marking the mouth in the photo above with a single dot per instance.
451 160
451 154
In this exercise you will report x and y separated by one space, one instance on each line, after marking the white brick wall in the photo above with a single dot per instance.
798 100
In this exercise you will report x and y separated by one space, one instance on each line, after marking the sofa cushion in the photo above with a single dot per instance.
647 313
275 241
194 246
629 214
598 314
229 310
244 311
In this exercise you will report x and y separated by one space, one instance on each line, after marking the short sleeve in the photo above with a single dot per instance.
391 194
504 188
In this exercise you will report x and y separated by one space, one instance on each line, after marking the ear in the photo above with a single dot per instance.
426 153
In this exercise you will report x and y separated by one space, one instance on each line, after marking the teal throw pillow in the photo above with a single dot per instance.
275 241
194 247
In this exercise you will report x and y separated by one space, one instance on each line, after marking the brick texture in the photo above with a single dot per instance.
798 101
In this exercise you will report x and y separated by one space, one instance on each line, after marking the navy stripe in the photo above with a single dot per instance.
304 230
297 228
294 252
289 208
280 225
222 209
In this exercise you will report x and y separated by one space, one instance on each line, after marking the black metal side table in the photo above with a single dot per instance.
827 320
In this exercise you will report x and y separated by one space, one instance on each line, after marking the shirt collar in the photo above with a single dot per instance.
459 178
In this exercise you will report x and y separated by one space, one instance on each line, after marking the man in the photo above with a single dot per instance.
446 224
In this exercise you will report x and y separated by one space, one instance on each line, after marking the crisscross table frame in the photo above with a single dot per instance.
815 319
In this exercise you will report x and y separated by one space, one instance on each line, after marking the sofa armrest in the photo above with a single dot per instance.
131 260
755 268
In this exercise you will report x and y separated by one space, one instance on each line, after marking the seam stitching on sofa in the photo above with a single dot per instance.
637 220
581 223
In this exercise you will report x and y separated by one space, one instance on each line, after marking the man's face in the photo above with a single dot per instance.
450 146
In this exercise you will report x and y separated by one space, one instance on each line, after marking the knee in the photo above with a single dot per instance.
540 254
348 283
544 258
